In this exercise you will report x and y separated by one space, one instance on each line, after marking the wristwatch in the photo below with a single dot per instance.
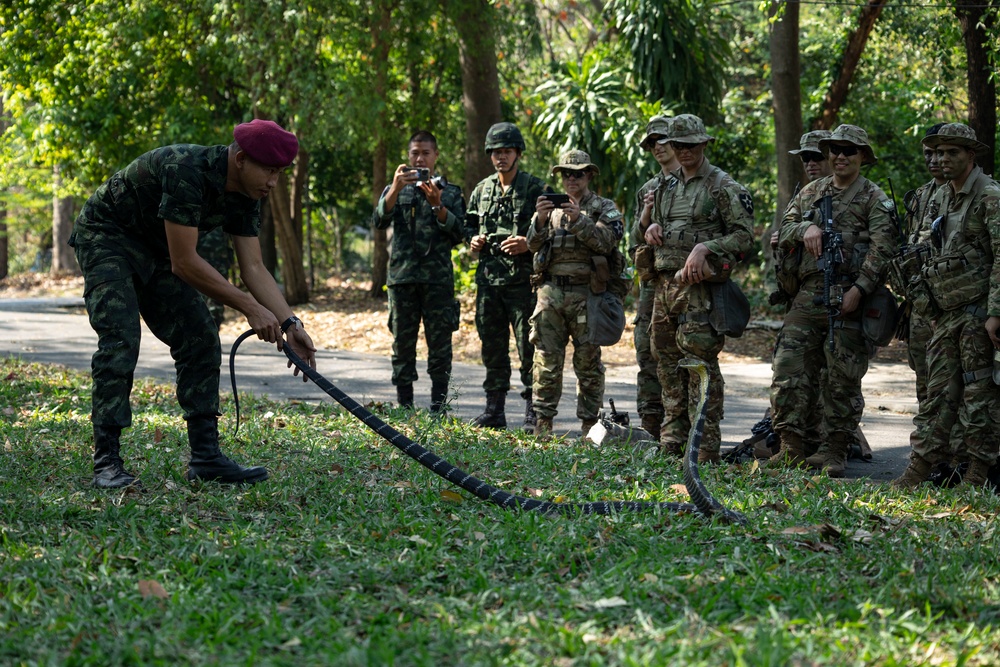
435 209
287 324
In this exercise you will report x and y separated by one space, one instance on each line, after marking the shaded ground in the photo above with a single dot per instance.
342 315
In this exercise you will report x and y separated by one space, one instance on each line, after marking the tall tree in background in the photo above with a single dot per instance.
63 258
786 100
4 245
977 22
381 44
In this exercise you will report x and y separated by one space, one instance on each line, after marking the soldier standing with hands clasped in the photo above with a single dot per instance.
576 237
496 226
427 215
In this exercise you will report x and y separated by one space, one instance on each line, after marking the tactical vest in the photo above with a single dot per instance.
856 242
960 274
680 239
498 222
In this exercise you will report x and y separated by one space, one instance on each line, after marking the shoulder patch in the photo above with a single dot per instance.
747 202
888 205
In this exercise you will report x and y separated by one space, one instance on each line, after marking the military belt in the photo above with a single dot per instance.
976 376
692 317
566 281
977 311
847 324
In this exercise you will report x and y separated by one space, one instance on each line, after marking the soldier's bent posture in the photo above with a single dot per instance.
861 213
575 237
962 279
135 240
648 392
700 224
496 226
427 218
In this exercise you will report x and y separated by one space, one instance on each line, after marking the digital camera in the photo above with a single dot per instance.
423 174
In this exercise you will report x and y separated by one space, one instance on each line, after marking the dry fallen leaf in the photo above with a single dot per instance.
157 435
679 488
606 603
450 496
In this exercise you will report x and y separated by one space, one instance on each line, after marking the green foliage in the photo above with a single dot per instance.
352 554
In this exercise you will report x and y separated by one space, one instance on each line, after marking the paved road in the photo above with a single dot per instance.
56 331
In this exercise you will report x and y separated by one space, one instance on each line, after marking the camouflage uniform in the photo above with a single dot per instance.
963 281
121 244
713 209
421 281
561 312
504 298
863 214
214 248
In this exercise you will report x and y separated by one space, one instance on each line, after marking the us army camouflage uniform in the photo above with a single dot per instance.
960 353
713 209
421 281
504 298
561 312
121 244
802 350
214 248
648 392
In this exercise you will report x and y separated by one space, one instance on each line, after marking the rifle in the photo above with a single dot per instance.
830 259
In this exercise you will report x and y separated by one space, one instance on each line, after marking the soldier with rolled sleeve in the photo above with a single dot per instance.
700 224
961 287
496 226
427 217
136 240
862 215
648 392
577 237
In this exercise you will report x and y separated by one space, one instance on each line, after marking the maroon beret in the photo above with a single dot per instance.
266 142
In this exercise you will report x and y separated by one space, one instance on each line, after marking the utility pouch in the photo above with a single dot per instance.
600 274
605 319
879 314
958 279
919 295
645 262
730 311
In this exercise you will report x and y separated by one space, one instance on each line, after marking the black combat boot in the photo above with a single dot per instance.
439 397
530 418
494 416
208 463
109 469
404 396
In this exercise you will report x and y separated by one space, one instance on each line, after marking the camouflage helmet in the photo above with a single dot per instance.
853 135
504 135
658 126
958 134
809 143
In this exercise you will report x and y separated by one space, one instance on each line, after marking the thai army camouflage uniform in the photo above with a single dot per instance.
863 214
504 298
713 209
214 248
962 279
561 312
648 392
421 280
121 244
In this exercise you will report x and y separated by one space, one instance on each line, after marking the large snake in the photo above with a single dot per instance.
703 502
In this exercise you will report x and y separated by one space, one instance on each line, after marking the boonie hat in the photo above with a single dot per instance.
657 126
688 129
575 160
959 134
267 142
853 135
809 143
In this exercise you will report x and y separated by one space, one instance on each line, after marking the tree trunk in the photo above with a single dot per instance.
786 99
300 181
4 246
381 43
292 272
473 20
977 25
268 250
63 258
836 96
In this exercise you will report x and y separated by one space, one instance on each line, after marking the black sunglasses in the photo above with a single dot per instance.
811 157
681 146
570 173
846 151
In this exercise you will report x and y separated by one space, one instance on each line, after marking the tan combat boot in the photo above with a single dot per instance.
671 448
708 457
915 474
543 427
818 460
791 454
651 424
586 425
976 474
831 457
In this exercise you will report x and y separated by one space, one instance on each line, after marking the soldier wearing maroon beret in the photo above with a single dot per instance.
136 242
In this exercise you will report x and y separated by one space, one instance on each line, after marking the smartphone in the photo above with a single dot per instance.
556 198
423 174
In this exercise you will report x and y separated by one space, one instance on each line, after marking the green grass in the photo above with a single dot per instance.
351 555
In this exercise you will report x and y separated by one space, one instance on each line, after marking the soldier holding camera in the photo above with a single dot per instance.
496 225
427 215
572 243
